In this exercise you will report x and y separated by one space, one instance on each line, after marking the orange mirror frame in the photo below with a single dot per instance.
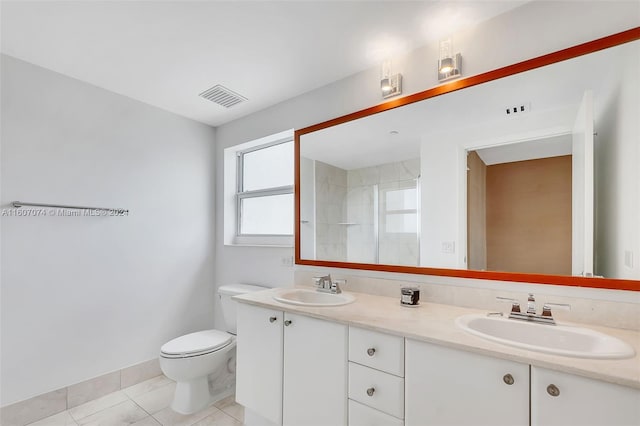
541 61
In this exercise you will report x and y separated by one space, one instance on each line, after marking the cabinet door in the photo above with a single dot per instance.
315 372
565 400
259 361
452 387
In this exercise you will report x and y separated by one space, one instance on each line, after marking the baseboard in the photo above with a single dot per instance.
50 403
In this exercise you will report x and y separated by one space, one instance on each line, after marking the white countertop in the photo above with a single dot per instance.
434 323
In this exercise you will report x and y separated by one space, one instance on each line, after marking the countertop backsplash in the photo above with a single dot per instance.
586 306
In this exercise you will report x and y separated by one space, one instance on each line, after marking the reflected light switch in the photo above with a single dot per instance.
628 259
449 247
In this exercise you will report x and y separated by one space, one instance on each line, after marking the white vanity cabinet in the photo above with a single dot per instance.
376 378
452 387
294 370
291 369
560 399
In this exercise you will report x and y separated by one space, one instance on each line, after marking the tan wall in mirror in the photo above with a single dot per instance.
476 212
529 216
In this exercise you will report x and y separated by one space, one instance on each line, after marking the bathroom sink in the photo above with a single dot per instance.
553 339
304 297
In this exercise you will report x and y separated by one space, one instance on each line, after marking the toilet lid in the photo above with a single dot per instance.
195 343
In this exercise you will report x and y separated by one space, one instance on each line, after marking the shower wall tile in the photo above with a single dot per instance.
399 252
364 176
403 170
361 238
331 209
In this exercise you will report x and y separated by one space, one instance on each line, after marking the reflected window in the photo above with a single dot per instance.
400 210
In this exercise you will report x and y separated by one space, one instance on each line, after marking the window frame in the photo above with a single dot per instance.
257 193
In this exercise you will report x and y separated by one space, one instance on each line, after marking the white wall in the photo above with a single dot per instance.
617 159
529 31
83 296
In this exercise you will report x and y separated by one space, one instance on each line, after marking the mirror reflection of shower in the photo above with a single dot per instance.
398 232
364 215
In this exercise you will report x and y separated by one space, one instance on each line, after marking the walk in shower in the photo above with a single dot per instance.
365 215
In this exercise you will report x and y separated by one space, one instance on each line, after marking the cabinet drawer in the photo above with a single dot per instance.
382 391
361 415
377 350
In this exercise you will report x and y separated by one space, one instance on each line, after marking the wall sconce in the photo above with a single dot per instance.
390 85
449 64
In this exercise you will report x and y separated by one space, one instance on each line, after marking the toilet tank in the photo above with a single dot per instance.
226 292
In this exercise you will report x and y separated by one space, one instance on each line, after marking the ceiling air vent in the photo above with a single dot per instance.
222 96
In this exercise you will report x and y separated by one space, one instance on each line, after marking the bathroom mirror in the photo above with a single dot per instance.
528 174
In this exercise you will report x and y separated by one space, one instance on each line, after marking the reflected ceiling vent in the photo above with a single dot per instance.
518 109
222 96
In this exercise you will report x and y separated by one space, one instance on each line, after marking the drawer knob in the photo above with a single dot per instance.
272 319
553 390
371 351
371 391
508 379
287 323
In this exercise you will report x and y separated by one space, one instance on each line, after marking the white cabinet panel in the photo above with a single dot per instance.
259 361
293 370
377 350
452 387
382 391
315 372
580 401
361 415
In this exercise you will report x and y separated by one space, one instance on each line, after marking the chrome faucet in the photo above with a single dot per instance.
326 285
531 304
545 317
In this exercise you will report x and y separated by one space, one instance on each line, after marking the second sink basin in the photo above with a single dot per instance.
299 296
558 340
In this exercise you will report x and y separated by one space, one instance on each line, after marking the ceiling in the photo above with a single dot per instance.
527 150
165 53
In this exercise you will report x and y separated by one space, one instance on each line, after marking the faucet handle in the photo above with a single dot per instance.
335 285
515 304
323 283
531 304
546 308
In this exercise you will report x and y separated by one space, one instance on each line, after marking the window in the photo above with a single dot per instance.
400 208
265 190
259 192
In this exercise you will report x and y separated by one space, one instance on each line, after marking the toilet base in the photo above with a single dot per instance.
191 396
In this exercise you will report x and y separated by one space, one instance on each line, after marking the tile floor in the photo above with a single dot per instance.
145 404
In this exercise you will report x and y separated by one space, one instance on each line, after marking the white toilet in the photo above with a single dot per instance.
192 358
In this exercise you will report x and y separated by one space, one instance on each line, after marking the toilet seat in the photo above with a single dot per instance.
195 344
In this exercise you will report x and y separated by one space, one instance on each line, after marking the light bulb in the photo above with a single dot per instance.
446 65
385 85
